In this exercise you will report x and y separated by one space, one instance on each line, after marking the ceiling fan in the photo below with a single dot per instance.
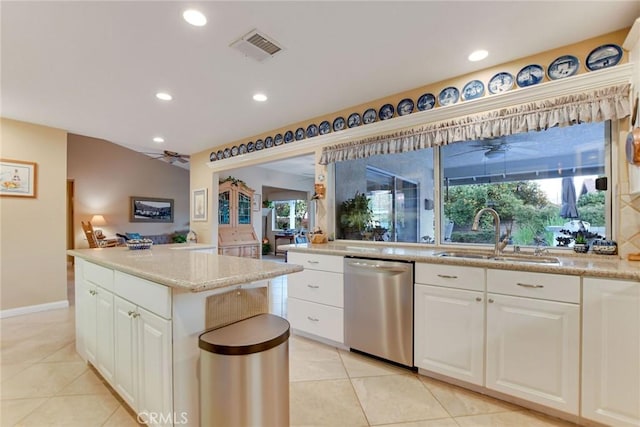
171 157
493 148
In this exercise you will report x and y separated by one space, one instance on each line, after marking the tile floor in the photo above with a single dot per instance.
43 382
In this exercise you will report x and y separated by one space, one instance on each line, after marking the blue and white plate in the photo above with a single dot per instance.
564 66
220 155
227 153
604 56
278 139
212 156
242 149
338 124
299 134
234 151
369 116
501 82
472 90
426 102
312 130
288 136
268 142
448 96
259 145
251 147
530 75
354 120
405 107
324 128
386 112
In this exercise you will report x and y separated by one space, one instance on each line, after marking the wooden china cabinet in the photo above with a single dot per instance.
236 235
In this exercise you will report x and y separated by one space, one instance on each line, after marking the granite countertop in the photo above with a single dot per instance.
188 270
604 266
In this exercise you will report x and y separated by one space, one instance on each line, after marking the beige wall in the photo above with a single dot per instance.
105 175
32 230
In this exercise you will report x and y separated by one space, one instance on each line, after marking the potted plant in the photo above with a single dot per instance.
580 244
355 216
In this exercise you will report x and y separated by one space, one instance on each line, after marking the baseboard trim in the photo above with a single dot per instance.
19 311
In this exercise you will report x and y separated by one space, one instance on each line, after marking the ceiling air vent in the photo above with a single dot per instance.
256 45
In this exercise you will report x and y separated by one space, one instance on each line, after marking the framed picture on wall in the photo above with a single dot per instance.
17 178
199 204
150 209
256 203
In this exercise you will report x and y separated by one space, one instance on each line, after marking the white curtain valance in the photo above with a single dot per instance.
611 103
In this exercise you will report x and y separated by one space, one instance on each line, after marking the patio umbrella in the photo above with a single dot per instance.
569 210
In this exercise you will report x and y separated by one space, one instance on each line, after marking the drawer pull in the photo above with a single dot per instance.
446 276
526 285
491 300
313 262
313 319
313 286
478 299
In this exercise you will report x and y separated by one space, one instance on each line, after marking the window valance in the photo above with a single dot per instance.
611 103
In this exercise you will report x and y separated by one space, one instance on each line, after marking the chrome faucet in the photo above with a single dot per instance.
499 245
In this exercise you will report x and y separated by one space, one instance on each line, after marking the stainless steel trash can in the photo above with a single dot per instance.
244 373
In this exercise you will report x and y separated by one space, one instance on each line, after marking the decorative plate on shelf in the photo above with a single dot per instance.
530 75
386 112
234 151
472 90
563 66
251 147
259 145
426 102
242 149
405 107
212 156
278 139
448 96
220 155
324 128
312 130
268 142
501 82
299 134
354 120
288 136
604 56
227 153
338 124
369 116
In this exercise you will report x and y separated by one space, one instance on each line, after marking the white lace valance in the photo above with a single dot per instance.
610 103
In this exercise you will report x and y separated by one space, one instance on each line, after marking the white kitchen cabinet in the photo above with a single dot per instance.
533 350
86 319
105 334
449 332
125 349
611 352
315 302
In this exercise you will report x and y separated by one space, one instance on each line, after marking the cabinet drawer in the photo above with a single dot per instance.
317 319
98 275
317 286
316 262
152 296
451 276
554 287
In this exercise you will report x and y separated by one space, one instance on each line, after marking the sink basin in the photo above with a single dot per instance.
474 255
529 259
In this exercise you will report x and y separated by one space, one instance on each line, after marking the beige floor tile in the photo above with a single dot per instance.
67 353
87 383
11 369
358 365
460 402
325 403
444 422
395 399
310 361
42 380
12 411
511 419
72 411
121 418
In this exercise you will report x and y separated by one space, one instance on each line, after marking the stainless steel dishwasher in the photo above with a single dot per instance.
378 308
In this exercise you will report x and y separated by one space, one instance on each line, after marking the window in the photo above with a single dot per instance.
290 214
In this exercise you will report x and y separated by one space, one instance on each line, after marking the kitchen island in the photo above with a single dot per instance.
139 314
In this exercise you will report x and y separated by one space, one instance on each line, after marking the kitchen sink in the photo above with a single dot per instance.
474 255
531 259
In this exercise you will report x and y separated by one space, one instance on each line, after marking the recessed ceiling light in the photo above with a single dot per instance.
260 97
164 96
478 55
194 17
158 139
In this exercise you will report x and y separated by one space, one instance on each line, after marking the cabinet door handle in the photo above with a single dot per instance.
130 313
313 286
136 315
478 299
526 285
92 292
446 276
313 262
491 300
313 319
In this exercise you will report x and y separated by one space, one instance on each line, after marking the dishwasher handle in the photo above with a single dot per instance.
379 267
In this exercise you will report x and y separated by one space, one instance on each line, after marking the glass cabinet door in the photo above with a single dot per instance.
224 208
244 209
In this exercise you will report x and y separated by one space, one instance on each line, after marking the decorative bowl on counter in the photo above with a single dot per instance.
604 247
138 244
